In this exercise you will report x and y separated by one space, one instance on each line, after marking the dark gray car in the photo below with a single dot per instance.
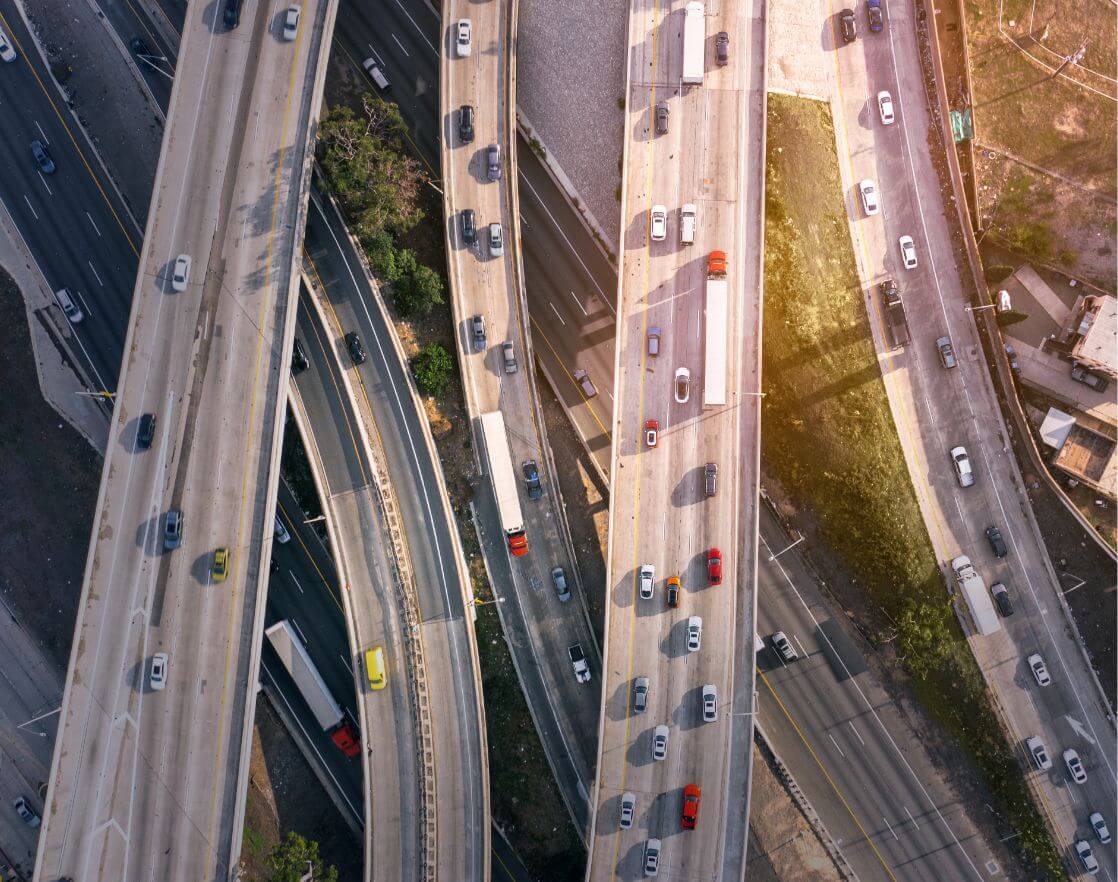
172 530
710 473
477 330
663 117
640 695
493 162
559 580
466 124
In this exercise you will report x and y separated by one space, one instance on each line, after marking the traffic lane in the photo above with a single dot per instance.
344 469
305 553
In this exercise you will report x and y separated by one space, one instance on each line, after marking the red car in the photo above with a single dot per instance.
714 566
692 796
651 432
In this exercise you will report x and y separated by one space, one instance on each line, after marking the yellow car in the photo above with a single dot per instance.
221 564
374 663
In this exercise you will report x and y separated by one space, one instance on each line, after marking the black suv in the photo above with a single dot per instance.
848 26
145 434
532 479
466 124
469 226
997 543
1001 598
722 48
356 350
299 361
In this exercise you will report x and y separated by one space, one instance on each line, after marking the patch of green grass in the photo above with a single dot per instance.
254 842
829 438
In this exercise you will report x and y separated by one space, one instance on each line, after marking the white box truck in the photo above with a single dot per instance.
717 318
694 43
974 592
504 481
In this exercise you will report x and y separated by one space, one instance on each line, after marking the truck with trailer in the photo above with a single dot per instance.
896 322
973 589
503 479
717 321
297 661
694 43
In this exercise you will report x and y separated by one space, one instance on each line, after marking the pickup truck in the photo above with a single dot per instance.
578 662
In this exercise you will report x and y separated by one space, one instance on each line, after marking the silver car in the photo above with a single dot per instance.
559 580
172 530
660 742
628 810
652 857
963 470
640 695
710 703
694 633
493 162
647 580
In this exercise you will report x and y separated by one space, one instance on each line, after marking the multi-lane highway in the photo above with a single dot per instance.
149 766
937 409
678 704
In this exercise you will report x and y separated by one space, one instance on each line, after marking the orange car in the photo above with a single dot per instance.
692 796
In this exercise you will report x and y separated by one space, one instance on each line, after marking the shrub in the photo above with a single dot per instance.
418 290
288 862
1011 317
433 367
998 272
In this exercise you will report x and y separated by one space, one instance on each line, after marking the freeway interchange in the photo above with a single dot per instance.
660 512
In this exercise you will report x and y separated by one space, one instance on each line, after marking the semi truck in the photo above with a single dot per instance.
974 592
297 661
896 321
694 43
717 308
504 481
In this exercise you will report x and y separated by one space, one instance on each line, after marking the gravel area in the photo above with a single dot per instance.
797 63
570 95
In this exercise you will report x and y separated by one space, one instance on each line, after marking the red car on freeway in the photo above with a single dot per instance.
714 566
692 796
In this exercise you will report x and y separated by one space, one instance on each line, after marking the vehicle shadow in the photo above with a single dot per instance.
675 644
689 712
689 488
640 751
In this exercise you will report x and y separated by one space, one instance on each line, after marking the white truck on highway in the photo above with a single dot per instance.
694 43
717 307
978 599
295 658
504 481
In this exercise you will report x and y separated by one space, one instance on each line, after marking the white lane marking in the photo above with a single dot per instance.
418 30
911 818
45 184
84 303
30 207
296 581
96 275
554 310
93 224
850 723
890 826
606 300
836 744
46 140
579 304
299 631
803 651
401 45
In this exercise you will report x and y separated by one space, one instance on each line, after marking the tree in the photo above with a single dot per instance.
997 272
1011 317
288 861
433 367
377 185
418 291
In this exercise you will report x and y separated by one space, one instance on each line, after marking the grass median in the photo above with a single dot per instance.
829 439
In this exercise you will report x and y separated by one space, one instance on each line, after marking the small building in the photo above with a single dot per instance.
1094 341
1085 452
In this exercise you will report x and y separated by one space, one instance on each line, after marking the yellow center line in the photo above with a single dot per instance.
70 135
539 331
329 590
826 774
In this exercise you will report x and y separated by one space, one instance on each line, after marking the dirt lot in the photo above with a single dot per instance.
49 477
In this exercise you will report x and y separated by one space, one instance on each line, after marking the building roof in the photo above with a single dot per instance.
1100 340
1055 428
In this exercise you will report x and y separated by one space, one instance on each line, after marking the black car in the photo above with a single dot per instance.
466 124
145 434
42 157
848 26
532 479
997 543
873 15
232 13
469 226
356 350
673 594
299 361
722 48
1001 598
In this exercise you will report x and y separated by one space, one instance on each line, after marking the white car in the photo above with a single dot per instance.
1038 752
7 53
628 809
159 671
1087 857
885 108
659 223
1039 669
869 197
496 240
963 470
291 23
682 385
660 742
710 703
1100 828
181 274
908 252
694 633
652 858
463 38
647 580
1075 766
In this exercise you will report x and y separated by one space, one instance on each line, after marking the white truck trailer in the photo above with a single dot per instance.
978 599
694 43
717 316
504 481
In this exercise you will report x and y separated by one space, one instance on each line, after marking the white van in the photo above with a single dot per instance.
687 221
66 301
374 72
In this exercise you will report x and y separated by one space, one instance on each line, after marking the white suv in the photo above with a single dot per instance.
647 580
869 197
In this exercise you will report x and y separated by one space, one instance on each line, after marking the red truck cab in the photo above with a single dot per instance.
347 739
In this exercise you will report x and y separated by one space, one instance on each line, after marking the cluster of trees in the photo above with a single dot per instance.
294 858
378 186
